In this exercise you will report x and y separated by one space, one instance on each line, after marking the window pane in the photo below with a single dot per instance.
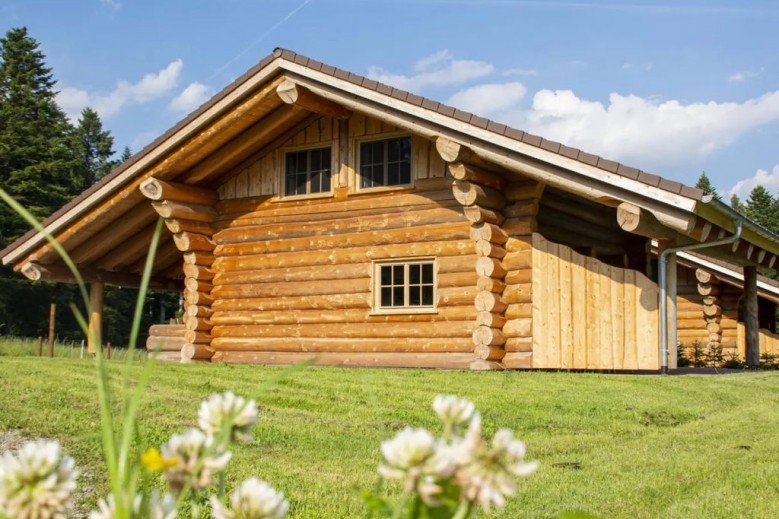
386 275
325 180
427 273
386 296
397 275
365 178
300 184
397 296
366 157
316 181
393 178
414 296
427 295
413 274
404 175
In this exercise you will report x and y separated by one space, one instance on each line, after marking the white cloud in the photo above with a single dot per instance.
191 97
740 77
769 180
646 66
644 131
488 99
438 69
151 87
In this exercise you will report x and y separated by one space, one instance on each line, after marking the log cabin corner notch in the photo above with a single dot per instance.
311 211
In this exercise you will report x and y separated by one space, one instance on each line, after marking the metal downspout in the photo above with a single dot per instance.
663 282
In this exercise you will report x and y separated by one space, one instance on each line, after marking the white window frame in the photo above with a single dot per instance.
407 309
283 169
379 138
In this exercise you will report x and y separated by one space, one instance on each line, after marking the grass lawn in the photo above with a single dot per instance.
610 445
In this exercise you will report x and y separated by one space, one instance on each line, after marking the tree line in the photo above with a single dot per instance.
45 161
761 206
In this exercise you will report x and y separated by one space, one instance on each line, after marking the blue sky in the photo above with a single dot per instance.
673 87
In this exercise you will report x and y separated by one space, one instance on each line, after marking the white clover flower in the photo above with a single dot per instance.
486 472
453 411
417 458
221 409
37 481
254 499
193 463
155 508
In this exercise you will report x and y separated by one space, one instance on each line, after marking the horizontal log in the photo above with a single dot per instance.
521 293
695 324
690 315
353 330
198 311
297 95
197 298
518 328
463 171
477 215
198 272
179 226
490 267
525 190
554 201
384 360
195 323
707 289
338 344
429 233
198 285
518 344
62 274
519 243
639 221
486 284
470 194
709 300
196 352
515 277
182 211
518 260
520 226
158 190
488 232
346 315
338 224
712 310
714 327
165 356
703 276
517 360
197 337
198 258
519 310
167 330
484 335
165 343
486 352
344 256
486 249
188 242
522 209
489 302
490 319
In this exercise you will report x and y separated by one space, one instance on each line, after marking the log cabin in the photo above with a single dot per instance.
313 212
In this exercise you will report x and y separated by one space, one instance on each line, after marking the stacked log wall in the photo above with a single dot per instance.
691 323
295 278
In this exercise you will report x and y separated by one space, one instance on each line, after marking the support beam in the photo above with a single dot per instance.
294 94
95 335
636 220
61 274
158 190
751 322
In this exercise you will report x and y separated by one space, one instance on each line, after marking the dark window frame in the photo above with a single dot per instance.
291 186
377 173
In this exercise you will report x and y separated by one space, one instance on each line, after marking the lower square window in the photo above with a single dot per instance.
404 285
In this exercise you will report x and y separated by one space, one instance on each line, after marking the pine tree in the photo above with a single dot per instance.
761 207
704 184
94 147
735 203
36 156
126 154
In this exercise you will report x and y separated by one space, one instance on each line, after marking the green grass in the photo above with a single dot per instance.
610 445
25 347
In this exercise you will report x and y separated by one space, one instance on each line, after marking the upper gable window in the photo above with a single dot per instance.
307 171
385 163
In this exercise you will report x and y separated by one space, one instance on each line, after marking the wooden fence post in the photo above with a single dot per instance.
52 313
40 346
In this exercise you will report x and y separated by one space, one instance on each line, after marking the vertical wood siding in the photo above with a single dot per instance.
590 315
